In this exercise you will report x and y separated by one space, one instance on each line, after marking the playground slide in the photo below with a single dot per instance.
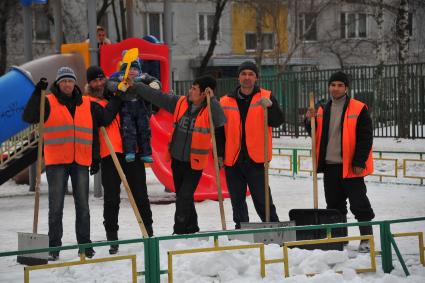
17 85
162 122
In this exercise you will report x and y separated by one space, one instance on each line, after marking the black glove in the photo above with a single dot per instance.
42 84
94 168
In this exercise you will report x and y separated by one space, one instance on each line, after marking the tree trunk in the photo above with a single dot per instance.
403 116
259 35
123 20
4 11
219 7
117 27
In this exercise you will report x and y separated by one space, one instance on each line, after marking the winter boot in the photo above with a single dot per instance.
146 159
53 256
364 246
130 157
89 252
112 236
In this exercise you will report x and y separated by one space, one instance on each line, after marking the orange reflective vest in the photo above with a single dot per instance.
349 139
254 129
68 140
113 131
201 137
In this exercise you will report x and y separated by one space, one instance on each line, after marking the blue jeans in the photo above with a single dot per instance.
57 177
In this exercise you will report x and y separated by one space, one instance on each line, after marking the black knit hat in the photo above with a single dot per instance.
340 77
248 65
204 82
94 72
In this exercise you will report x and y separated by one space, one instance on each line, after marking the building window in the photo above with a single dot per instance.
410 24
41 24
205 27
251 41
353 25
307 27
155 24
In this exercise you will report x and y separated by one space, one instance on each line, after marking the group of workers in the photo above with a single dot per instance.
74 146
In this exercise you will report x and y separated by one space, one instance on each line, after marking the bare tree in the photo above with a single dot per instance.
5 8
219 7
403 45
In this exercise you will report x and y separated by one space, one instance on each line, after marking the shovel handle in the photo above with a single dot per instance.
125 183
216 167
266 163
39 161
313 152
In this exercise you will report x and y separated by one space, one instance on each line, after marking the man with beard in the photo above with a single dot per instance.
134 171
70 131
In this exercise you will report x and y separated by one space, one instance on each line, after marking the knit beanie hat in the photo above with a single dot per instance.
65 73
137 64
204 82
339 77
248 65
94 72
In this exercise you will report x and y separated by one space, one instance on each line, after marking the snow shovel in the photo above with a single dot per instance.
317 216
216 167
273 237
130 56
29 241
125 183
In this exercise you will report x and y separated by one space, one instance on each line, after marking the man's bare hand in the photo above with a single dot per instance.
209 92
220 162
311 112
266 102
155 85
358 170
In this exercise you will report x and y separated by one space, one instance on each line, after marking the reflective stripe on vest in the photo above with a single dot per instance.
201 138
68 140
254 129
113 131
349 139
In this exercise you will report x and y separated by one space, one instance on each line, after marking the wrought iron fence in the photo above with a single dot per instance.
376 86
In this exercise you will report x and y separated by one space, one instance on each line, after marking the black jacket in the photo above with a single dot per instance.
364 135
101 116
275 119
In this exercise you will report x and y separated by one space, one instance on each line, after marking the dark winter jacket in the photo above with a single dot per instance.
364 135
101 116
275 119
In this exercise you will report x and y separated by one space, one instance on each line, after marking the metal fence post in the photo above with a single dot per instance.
152 266
294 162
387 261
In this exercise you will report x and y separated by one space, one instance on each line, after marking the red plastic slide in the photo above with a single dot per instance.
162 122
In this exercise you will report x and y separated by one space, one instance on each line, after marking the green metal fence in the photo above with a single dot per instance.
376 86
152 268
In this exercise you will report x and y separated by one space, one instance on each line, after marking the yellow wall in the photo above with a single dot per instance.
243 20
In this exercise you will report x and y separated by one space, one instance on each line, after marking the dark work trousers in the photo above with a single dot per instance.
186 181
337 190
240 176
135 129
136 177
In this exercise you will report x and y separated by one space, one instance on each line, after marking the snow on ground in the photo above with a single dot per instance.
389 201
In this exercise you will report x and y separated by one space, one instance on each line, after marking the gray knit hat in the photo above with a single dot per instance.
65 73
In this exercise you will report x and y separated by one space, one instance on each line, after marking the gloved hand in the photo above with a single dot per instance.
265 102
155 85
41 85
94 168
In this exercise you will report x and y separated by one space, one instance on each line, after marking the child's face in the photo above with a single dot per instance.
134 72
